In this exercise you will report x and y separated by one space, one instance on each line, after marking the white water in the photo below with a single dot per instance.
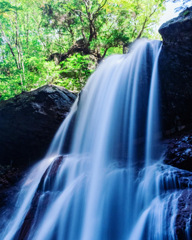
112 185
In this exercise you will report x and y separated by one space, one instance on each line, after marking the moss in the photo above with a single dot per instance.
185 13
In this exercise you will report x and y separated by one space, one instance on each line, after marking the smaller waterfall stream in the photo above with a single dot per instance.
112 184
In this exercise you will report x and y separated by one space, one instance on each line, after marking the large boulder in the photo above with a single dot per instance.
175 70
29 121
177 31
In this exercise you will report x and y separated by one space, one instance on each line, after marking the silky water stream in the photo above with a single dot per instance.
111 184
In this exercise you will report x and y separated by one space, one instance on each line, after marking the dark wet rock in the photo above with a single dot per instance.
9 175
53 168
9 179
173 178
179 155
41 200
179 152
29 121
175 67
183 222
178 30
32 218
49 176
175 71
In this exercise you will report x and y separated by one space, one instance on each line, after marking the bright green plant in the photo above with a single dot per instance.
75 72
62 41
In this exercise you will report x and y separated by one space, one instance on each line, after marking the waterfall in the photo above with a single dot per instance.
111 184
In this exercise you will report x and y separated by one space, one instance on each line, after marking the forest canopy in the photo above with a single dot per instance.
62 41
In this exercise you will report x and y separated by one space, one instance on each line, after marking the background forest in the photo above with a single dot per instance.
62 41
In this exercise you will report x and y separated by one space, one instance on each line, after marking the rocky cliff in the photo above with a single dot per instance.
175 69
29 121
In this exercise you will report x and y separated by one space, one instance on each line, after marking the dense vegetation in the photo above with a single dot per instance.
62 41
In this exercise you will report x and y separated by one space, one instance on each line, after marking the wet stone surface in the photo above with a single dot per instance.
9 179
183 222
175 73
179 155
41 200
179 152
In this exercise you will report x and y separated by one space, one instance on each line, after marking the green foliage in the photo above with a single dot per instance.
185 13
80 33
38 72
7 7
75 72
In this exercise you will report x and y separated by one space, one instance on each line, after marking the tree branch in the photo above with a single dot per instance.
106 49
144 23
99 8
9 44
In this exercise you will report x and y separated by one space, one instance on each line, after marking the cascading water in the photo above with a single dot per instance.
109 186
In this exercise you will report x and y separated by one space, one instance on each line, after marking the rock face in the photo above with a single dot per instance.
29 121
179 155
41 200
9 176
183 221
175 70
179 152
178 30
